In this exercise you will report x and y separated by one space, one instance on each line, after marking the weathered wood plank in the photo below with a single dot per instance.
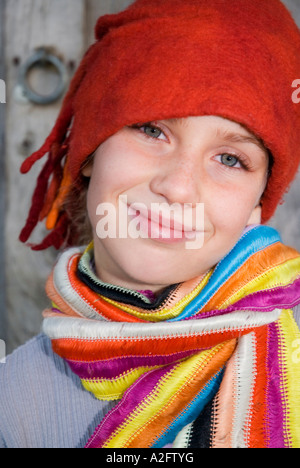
2 181
97 8
30 24
294 7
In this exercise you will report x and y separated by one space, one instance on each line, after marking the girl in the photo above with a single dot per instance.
180 127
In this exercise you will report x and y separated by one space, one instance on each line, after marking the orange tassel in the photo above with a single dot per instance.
58 203
50 196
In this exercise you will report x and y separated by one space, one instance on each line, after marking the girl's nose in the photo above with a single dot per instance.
178 181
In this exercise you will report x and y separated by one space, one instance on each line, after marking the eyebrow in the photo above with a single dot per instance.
239 138
181 121
228 135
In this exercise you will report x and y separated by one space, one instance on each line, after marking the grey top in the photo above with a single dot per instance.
42 402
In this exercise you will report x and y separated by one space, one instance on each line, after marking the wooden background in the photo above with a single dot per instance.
66 27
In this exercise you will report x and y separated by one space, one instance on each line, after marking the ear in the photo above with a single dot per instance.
87 169
255 217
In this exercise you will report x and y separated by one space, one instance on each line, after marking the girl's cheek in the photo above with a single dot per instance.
224 177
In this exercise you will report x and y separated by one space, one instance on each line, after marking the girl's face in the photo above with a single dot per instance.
192 162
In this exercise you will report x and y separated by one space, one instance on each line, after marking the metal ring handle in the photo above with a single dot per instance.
42 57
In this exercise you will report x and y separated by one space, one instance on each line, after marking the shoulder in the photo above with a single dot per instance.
43 404
35 371
26 379
30 365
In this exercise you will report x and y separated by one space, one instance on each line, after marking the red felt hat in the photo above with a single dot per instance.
177 58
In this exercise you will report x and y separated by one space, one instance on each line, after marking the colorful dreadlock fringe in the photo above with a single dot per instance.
216 365
55 180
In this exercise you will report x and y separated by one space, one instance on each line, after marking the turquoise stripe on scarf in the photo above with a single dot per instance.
189 414
250 243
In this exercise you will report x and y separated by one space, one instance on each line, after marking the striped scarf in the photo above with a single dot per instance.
216 364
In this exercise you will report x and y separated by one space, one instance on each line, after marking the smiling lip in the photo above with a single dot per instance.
158 228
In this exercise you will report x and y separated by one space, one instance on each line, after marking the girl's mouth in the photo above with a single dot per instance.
158 226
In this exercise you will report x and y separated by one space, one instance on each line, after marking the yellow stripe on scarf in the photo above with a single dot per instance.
279 276
106 389
164 395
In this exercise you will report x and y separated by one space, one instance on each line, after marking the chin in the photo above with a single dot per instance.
139 265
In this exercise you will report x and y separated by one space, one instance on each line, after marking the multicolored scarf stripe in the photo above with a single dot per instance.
120 358
239 419
181 389
253 407
249 245
249 409
232 346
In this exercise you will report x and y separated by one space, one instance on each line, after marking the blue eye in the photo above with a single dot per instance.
151 131
230 160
